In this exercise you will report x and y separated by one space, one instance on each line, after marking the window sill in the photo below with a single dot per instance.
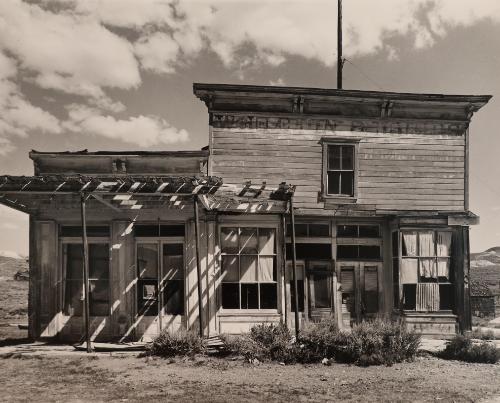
249 312
338 199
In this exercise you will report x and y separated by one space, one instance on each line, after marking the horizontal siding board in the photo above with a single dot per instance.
400 172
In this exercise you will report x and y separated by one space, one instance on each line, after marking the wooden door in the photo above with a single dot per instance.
359 284
320 279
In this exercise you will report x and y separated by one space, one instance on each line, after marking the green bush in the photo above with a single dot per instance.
179 343
462 348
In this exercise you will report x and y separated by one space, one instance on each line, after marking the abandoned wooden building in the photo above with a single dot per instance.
375 184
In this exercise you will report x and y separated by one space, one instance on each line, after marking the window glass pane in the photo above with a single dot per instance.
444 243
147 260
230 295
174 297
409 244
446 297
268 296
249 296
443 269
248 268
319 230
173 261
347 231
409 296
347 157
333 183
369 252
428 270
266 241
76 231
98 261
230 271
229 240
248 240
266 269
333 157
99 298
310 251
369 231
426 244
347 252
73 305
154 230
300 230
74 261
347 279
147 297
409 271
371 290
347 183
321 287
300 292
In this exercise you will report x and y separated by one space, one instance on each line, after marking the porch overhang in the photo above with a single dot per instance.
29 194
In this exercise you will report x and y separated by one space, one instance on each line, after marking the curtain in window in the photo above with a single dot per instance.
444 250
428 268
426 244
410 243
266 269
409 271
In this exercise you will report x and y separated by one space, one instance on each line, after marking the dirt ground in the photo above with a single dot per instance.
108 378
76 377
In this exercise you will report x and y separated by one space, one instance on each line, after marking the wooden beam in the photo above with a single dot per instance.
85 248
106 203
198 264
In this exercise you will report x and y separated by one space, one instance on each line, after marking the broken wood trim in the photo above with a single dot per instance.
106 203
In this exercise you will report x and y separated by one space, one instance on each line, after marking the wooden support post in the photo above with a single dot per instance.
283 251
198 264
467 299
85 247
294 269
160 280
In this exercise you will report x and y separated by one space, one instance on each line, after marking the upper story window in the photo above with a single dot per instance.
339 164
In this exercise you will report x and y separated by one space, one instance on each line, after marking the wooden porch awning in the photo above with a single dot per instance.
30 193
250 198
131 192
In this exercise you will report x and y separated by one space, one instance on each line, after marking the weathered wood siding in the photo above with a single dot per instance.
395 171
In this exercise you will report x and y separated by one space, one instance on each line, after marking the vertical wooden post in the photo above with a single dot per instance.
85 247
160 279
467 302
340 62
294 269
283 251
198 263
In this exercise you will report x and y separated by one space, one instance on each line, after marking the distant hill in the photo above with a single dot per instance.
485 267
13 294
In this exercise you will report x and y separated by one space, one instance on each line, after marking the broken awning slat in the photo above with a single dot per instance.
108 185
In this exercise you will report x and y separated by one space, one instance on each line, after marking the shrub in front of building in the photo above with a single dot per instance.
463 349
179 343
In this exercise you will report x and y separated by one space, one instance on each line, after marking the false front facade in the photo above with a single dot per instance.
377 183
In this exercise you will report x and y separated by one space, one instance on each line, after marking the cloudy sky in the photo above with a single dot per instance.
118 74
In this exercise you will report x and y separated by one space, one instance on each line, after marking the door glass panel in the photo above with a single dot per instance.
147 274
321 290
371 290
173 272
347 283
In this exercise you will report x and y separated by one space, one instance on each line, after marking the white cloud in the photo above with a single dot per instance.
144 131
157 52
